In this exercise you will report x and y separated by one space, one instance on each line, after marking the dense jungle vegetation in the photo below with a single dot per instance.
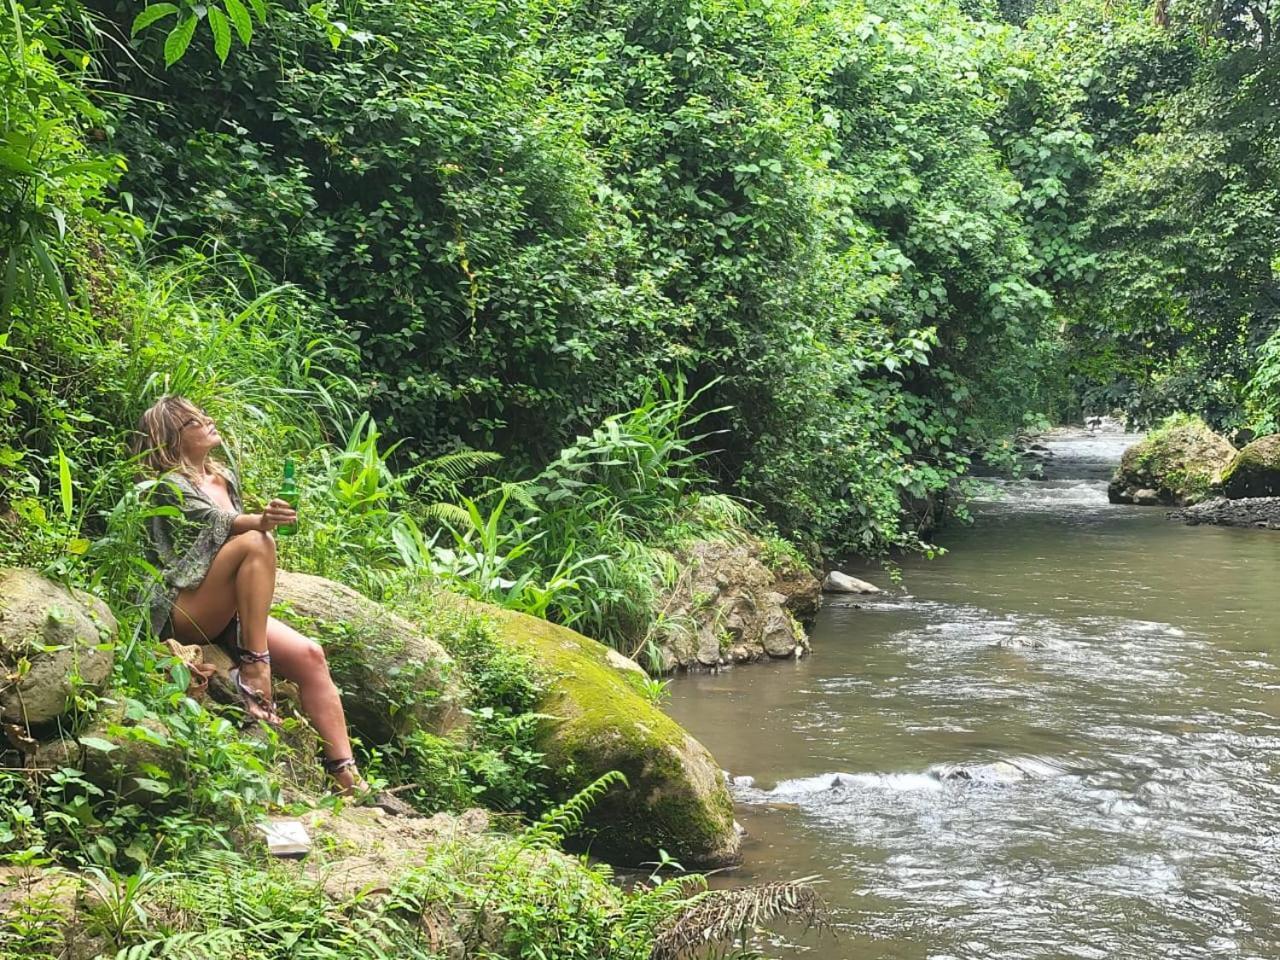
536 291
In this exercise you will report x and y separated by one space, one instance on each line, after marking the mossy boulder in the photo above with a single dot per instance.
1177 464
53 641
1255 471
394 678
676 799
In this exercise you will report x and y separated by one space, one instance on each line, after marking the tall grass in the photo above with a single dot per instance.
589 540
202 327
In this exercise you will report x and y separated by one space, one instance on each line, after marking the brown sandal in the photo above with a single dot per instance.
250 697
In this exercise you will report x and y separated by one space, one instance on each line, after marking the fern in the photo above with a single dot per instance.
195 945
562 821
456 467
446 514
521 493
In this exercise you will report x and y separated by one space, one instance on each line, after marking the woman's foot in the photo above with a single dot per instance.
253 681
348 783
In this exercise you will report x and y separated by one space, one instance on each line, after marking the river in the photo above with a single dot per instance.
1061 739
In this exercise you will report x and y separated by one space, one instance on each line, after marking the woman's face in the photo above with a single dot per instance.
199 436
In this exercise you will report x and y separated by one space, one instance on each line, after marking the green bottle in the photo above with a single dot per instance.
289 494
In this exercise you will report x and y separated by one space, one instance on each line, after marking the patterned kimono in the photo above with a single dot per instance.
183 546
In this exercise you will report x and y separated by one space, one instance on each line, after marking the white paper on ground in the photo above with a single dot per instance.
286 838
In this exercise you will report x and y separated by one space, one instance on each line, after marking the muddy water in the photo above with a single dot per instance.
1060 740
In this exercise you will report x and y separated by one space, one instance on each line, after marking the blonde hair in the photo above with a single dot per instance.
158 441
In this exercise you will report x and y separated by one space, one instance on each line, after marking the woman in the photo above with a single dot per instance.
219 574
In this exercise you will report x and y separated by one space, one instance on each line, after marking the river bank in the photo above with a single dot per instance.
1057 740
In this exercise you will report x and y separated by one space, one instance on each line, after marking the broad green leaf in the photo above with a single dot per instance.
151 786
15 162
51 275
175 45
221 33
241 20
10 283
149 15
97 743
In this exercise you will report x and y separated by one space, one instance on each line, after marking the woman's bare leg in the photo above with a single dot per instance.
302 660
241 580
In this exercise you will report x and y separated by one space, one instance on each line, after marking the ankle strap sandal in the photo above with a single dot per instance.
364 795
249 697
335 765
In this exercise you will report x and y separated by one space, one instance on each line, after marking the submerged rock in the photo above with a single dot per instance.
677 798
999 772
1255 471
64 638
1177 465
837 582
1019 642
1260 512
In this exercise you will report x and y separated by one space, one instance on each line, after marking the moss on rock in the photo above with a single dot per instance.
1255 471
1177 464
676 799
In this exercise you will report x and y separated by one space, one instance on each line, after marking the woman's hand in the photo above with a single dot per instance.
277 512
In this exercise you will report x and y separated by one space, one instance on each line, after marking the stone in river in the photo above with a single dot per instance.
838 582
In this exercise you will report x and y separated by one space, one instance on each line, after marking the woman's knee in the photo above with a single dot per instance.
313 659
259 544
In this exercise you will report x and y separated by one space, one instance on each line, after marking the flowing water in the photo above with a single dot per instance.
1062 739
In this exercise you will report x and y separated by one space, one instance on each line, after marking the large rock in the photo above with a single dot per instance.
837 582
1255 471
394 678
1260 512
677 799
1178 464
134 761
802 590
65 636
729 606
49 901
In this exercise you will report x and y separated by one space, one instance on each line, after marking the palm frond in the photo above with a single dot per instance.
725 915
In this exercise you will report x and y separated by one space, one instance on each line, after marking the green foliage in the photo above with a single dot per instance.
187 17
508 897
61 813
861 239
52 187
497 764
522 223
1167 198
1262 395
